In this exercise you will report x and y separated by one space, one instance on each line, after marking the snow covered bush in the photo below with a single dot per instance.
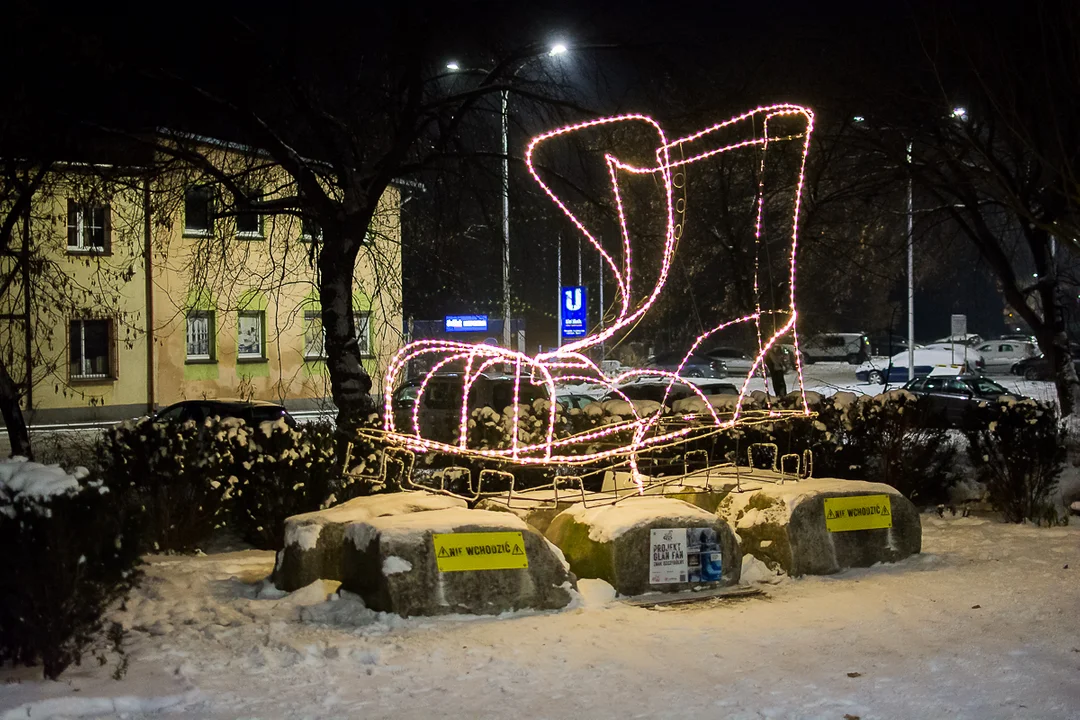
1019 457
282 472
882 439
70 551
174 473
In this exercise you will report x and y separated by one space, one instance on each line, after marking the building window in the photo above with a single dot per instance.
250 336
310 230
198 210
314 336
200 336
87 227
362 323
90 345
250 224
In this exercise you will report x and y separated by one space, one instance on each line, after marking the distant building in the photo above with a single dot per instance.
147 290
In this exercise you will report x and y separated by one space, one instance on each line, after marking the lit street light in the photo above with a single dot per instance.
556 49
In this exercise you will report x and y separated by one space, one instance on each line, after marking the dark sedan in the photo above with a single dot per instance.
1038 367
253 412
956 401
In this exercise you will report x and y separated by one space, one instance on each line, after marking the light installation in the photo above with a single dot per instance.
641 431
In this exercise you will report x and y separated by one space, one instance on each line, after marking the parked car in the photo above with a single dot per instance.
735 360
1038 367
657 389
852 348
965 339
1020 336
896 369
440 411
956 401
959 353
1001 355
252 412
695 366
884 345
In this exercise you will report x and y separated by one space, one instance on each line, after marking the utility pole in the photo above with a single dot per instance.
558 283
910 269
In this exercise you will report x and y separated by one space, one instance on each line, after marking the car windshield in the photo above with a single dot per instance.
982 386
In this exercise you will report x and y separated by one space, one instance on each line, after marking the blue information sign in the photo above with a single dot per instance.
574 312
465 323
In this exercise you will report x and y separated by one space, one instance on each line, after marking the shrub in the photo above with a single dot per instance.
70 552
173 472
883 439
280 472
1019 457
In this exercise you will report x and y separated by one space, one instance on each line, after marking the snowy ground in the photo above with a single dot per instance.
982 625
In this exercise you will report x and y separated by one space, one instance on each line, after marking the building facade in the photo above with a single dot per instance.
147 289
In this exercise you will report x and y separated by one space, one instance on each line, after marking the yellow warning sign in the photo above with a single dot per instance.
858 512
480 551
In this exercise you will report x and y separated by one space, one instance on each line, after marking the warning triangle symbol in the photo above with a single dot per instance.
443 553
517 550
885 509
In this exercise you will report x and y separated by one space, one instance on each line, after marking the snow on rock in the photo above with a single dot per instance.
595 593
609 522
755 571
313 541
304 536
613 542
1075 507
394 564
391 563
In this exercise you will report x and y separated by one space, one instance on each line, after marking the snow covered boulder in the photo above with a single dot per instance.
478 562
820 526
648 544
313 541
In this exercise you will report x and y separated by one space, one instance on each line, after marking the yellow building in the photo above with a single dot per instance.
156 290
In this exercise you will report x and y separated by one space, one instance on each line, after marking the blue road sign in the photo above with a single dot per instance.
575 312
465 323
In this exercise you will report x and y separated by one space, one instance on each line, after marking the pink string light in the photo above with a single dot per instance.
647 430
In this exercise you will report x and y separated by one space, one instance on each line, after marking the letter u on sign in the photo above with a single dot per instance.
572 299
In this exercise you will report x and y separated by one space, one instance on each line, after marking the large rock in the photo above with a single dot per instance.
393 562
785 525
313 540
614 542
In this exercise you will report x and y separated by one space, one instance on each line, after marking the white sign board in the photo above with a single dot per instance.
668 556
959 326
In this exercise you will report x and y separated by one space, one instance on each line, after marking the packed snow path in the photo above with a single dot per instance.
983 625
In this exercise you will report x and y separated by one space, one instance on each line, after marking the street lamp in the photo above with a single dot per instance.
556 49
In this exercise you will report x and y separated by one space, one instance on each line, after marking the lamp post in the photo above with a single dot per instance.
504 102
910 269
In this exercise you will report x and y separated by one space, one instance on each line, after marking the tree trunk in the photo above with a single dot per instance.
350 384
18 435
